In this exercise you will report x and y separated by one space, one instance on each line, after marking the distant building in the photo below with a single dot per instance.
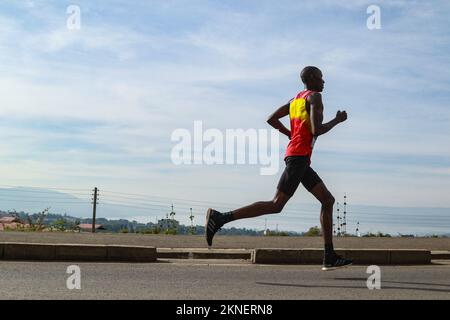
10 220
12 223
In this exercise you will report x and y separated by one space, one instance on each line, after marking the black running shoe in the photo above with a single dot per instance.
333 262
213 224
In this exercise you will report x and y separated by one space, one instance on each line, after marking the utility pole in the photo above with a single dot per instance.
94 208
338 222
171 223
172 214
345 214
191 217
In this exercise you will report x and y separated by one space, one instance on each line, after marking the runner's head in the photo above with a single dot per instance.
312 78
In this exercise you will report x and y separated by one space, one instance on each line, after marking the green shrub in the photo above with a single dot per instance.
313 232
171 232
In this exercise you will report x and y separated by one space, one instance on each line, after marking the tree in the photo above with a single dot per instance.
77 225
60 224
35 221
313 232
40 220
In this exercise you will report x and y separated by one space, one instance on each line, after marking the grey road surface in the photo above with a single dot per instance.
199 280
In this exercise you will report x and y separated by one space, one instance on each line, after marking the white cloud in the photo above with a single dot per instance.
229 72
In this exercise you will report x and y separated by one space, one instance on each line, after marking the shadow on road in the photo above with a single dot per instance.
353 287
398 282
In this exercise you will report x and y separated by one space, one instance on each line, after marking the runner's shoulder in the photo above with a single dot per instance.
314 97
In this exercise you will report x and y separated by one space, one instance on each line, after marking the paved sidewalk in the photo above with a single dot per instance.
225 242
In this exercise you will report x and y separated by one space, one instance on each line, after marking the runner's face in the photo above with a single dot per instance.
317 81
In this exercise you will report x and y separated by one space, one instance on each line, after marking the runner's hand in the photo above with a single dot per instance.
341 116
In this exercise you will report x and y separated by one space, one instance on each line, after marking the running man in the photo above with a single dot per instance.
306 117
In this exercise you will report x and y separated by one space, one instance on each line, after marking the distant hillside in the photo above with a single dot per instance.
124 225
35 200
72 209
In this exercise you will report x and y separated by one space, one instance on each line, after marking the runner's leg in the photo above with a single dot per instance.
263 207
327 200
288 184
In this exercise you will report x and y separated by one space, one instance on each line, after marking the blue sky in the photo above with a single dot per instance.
96 107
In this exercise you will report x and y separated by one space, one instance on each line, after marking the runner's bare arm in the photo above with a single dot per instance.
317 127
274 120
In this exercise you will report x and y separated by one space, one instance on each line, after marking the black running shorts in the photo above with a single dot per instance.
298 171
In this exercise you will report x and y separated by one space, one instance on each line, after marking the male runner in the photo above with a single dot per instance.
306 117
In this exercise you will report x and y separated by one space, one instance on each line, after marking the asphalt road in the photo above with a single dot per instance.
200 280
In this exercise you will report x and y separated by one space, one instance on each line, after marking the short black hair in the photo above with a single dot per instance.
307 72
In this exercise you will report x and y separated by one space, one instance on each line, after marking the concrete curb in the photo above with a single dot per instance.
440 255
27 251
131 254
70 252
81 253
118 253
198 253
360 256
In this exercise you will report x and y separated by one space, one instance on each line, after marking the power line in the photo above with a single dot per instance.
151 202
43 198
186 208
162 204
9 186
167 198
187 201
290 213
159 207
154 207
125 205
47 192
158 204
203 204
48 202
416 219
